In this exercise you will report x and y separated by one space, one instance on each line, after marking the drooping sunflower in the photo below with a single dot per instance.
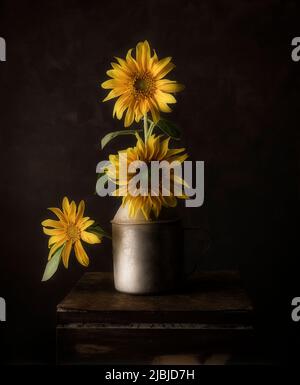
139 85
68 232
154 149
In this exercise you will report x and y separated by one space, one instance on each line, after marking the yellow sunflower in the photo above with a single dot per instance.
154 149
71 228
139 85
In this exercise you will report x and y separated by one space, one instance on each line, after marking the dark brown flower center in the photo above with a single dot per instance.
143 85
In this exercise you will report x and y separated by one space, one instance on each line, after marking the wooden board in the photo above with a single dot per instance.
96 324
125 346
216 297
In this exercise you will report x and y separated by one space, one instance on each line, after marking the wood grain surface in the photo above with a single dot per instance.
211 314
207 297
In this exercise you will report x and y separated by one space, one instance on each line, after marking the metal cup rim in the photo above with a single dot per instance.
162 221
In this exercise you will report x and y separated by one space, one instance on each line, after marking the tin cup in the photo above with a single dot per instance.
147 256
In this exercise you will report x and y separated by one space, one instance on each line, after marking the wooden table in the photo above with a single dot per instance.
210 317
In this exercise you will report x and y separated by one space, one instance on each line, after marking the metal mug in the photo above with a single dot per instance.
147 256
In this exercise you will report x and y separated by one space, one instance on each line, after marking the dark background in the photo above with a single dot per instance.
238 114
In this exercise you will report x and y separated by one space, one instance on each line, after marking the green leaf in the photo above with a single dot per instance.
52 265
108 137
169 128
96 229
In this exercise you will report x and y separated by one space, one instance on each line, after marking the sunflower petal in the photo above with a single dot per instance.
178 158
172 86
139 53
180 181
60 215
154 111
153 60
124 68
86 224
82 221
122 191
160 65
163 106
124 65
174 151
80 211
52 223
132 64
90 237
146 208
66 206
164 71
113 94
66 253
156 206
169 201
146 54
55 247
108 84
80 253
117 74
129 117
72 214
164 97
55 239
53 231
121 105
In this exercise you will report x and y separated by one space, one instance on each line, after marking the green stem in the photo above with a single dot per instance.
145 127
152 125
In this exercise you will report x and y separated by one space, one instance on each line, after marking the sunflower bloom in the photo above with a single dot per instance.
69 230
154 149
139 85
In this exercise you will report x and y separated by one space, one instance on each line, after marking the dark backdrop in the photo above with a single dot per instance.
238 114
